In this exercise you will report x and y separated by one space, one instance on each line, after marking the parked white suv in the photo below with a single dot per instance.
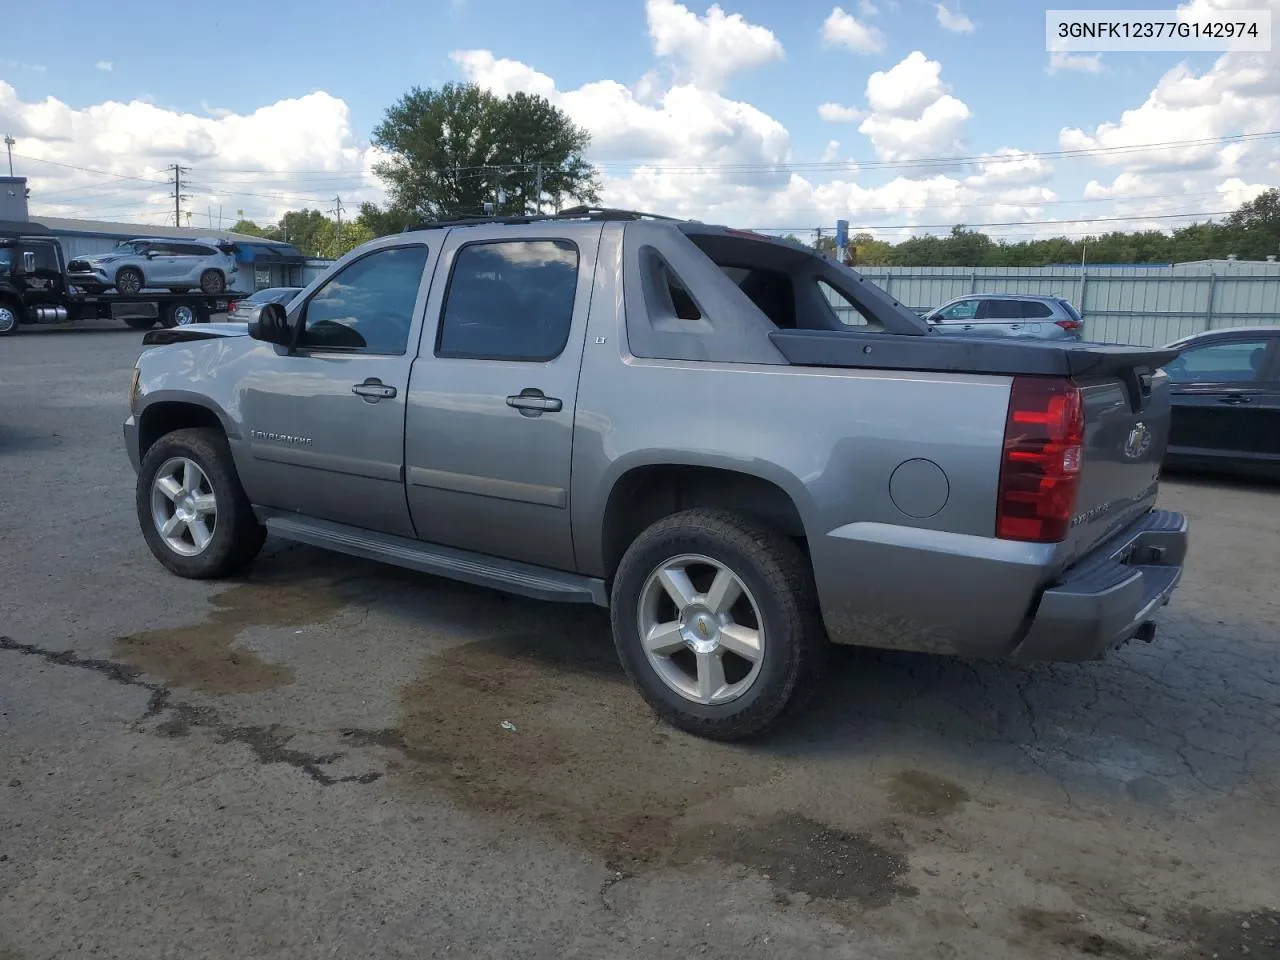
165 263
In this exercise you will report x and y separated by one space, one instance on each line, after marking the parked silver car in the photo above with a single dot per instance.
247 310
1008 315
164 263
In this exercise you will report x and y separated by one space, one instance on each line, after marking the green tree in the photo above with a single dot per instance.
250 229
382 222
1253 230
331 245
301 228
455 149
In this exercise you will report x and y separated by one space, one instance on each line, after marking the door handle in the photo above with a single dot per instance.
373 390
532 402
1235 398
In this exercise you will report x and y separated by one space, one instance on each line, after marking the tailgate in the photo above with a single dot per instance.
1126 415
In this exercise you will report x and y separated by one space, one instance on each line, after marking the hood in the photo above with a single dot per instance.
199 331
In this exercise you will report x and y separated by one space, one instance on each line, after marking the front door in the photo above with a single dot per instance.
489 434
325 419
1222 399
163 264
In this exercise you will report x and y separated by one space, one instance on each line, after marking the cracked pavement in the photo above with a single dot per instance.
311 762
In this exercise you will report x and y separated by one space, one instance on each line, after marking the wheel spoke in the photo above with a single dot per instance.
743 641
170 487
710 675
205 504
170 526
675 580
200 533
664 638
724 593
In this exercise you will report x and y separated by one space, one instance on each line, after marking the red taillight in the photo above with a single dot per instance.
1069 324
1043 437
232 306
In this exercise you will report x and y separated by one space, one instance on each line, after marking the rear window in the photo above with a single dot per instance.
1072 312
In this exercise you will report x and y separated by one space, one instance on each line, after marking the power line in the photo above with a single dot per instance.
178 195
1002 223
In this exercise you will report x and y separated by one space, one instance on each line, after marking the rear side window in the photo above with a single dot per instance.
1035 310
845 310
1001 310
509 300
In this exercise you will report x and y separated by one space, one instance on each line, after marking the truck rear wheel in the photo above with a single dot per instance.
178 315
716 621
193 512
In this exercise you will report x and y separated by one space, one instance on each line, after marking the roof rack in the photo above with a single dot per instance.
572 213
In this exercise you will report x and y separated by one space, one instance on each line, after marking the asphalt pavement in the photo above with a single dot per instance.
333 758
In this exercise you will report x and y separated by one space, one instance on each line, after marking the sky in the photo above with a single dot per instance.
901 116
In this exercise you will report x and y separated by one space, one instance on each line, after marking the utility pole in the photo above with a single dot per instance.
8 145
337 207
537 191
178 195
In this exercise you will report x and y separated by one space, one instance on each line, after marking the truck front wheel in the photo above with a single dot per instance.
193 512
8 318
716 621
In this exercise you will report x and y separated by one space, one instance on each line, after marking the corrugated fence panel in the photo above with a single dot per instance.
1147 306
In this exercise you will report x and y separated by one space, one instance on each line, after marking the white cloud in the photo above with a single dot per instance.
953 20
15 65
868 9
1007 167
1079 62
132 144
104 65
845 30
831 152
839 113
707 50
913 113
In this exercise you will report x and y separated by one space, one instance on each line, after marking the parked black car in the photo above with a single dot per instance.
1226 401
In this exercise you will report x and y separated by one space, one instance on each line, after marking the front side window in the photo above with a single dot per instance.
368 306
1237 362
509 300
961 310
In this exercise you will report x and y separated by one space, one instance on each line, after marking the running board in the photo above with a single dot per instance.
525 579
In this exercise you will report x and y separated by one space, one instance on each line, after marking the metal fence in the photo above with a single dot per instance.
1142 305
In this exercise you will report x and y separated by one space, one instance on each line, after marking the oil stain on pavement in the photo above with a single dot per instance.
205 656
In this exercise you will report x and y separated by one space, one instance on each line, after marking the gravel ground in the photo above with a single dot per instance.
312 762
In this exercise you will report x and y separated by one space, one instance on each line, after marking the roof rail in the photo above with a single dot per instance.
572 213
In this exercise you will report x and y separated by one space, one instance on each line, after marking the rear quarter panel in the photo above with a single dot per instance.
832 439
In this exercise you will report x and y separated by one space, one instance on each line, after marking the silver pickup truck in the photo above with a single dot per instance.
740 447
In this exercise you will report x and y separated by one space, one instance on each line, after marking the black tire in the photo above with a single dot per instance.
213 282
178 315
130 280
10 318
237 535
776 573
140 323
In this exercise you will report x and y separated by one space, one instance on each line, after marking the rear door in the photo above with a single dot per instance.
999 318
488 439
1223 399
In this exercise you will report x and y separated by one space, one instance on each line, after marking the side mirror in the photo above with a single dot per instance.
272 325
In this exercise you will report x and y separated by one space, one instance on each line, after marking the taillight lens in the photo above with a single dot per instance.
1069 324
1043 447
232 306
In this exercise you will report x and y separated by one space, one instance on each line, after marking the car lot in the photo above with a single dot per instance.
313 762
